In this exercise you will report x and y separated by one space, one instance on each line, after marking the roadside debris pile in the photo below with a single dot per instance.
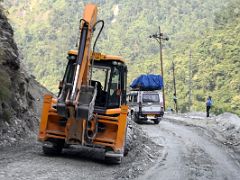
224 128
230 129
141 157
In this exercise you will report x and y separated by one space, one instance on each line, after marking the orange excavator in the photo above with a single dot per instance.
90 109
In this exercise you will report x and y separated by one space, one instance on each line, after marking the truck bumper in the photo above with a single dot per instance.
113 154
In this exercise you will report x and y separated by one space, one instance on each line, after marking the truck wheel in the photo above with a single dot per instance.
51 148
113 160
128 139
135 118
156 121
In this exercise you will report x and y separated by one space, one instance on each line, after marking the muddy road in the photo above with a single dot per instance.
26 161
168 151
190 153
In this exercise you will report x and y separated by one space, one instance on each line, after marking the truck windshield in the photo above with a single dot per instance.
153 98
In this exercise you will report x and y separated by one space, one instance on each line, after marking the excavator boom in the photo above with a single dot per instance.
69 104
71 92
83 58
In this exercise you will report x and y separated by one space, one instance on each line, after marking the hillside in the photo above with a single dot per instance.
45 30
20 94
204 44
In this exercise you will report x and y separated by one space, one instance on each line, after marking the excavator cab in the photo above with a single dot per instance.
108 76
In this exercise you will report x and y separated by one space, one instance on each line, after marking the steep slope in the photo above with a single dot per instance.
20 93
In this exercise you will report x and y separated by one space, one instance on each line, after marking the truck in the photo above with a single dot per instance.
146 99
90 109
146 105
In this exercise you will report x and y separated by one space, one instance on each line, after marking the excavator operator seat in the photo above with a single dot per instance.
101 95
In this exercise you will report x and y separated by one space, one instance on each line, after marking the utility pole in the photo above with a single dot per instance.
159 37
161 62
190 81
174 87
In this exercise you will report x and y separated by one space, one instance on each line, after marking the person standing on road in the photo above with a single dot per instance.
208 105
175 102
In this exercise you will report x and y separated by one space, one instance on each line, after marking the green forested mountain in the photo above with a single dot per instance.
204 43
218 60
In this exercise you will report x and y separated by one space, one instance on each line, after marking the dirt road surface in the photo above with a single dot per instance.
190 154
168 151
26 161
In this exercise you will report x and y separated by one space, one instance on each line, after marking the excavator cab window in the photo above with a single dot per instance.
69 72
100 78
117 86
111 85
101 74
115 89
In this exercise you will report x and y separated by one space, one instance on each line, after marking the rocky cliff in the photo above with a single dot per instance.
20 94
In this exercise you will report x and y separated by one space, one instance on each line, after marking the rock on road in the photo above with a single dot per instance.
189 154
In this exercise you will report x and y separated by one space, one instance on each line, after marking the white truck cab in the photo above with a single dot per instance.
146 105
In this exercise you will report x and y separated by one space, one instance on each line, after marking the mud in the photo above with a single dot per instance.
180 147
26 161
189 154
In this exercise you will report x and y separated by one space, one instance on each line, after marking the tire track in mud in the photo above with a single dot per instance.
199 163
214 133
26 161
189 155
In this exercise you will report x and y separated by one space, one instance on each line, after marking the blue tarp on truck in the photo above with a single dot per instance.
148 82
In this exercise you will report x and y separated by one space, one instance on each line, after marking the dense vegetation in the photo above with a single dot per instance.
204 43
